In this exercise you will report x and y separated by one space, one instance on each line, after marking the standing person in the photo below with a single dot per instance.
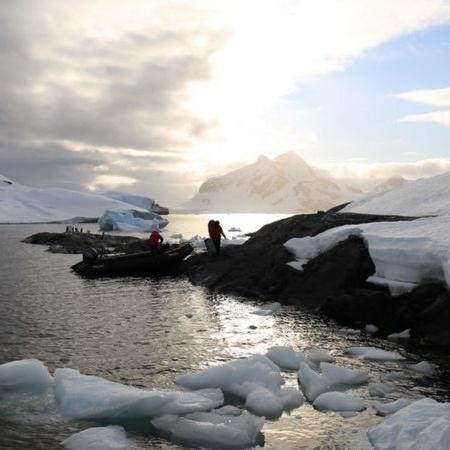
154 241
215 233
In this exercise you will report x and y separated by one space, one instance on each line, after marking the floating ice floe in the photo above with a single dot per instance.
25 375
131 221
393 376
297 264
423 425
318 355
332 377
373 353
88 397
424 368
384 409
405 334
287 358
371 328
338 401
100 438
267 310
256 379
211 430
381 389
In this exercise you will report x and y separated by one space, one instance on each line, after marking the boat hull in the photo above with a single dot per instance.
142 263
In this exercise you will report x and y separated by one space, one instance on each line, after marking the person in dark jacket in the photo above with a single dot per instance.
215 233
154 241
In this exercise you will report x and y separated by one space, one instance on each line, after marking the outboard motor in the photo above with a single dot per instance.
90 255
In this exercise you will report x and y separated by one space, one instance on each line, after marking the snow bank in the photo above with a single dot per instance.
256 379
211 430
100 438
425 424
89 397
332 377
384 409
130 221
24 376
338 401
373 353
404 253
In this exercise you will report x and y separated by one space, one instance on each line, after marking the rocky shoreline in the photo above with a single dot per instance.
333 284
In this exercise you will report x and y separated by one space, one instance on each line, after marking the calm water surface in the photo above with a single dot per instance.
145 332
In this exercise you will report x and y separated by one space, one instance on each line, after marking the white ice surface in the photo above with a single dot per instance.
24 375
404 253
89 397
423 367
100 438
332 377
255 379
127 221
338 401
211 430
373 353
423 425
20 203
384 409
405 334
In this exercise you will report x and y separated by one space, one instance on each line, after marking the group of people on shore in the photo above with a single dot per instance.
72 229
215 231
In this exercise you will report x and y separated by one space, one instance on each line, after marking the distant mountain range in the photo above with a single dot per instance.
285 184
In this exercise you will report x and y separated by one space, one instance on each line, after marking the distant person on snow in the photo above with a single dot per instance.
215 233
155 240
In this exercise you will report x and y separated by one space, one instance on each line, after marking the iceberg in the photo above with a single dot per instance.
131 220
100 438
425 424
25 375
211 430
89 397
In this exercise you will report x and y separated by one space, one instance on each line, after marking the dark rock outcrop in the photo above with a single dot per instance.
80 242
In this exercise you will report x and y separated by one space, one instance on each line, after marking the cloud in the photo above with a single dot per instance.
367 175
440 117
433 97
161 92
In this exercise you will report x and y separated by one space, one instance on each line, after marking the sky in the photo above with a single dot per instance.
153 97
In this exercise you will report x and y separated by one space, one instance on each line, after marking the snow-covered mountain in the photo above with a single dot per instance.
389 184
133 199
24 204
427 196
284 184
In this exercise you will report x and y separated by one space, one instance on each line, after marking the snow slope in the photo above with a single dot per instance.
428 196
285 184
132 199
24 204
405 253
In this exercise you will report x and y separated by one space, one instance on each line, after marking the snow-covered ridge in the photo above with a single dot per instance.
24 204
284 184
405 253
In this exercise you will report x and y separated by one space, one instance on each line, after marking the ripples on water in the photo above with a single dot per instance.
144 332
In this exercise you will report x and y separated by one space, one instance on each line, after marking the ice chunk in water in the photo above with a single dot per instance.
425 424
100 438
373 353
291 398
89 397
405 334
263 402
383 409
381 389
286 358
24 375
267 310
371 328
318 355
424 367
211 430
332 376
338 401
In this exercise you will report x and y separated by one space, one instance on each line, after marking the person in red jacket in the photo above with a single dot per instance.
215 233
155 240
